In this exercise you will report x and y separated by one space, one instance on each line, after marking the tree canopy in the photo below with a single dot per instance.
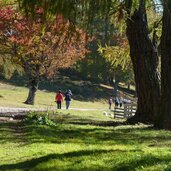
40 49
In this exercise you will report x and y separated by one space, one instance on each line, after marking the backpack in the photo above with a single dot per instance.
68 97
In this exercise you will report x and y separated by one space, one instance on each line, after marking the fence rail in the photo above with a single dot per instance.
125 112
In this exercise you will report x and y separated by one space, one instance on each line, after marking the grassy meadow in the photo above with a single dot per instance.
15 96
84 140
76 140
85 94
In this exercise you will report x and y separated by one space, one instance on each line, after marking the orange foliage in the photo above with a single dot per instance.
41 48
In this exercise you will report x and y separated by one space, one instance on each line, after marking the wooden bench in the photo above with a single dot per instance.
127 111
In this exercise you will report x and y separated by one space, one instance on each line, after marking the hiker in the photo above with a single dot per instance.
116 102
59 99
110 102
68 95
120 101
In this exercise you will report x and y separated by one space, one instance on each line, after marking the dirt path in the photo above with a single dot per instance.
7 119
14 110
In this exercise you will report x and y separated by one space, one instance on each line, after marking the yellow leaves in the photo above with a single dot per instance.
117 56
36 39
34 62
100 49
15 59
120 13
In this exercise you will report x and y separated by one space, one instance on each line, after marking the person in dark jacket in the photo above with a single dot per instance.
116 102
68 95
110 102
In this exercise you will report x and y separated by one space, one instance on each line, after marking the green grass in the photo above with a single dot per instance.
13 93
15 97
78 140
83 141
87 96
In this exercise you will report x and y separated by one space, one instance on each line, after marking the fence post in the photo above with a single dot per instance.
126 109
114 113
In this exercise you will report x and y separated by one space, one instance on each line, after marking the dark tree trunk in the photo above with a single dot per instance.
33 86
111 80
129 86
164 120
145 61
116 85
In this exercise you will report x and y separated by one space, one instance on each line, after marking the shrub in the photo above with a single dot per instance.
39 118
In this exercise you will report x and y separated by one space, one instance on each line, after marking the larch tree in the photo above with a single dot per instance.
144 56
164 119
118 59
41 48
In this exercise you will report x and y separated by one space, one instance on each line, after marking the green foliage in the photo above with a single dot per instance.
93 67
70 9
85 11
7 2
8 68
118 59
116 56
154 25
39 118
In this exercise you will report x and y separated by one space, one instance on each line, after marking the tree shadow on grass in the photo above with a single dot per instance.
30 164
12 132
70 132
97 123
73 157
23 131
143 161
82 90
87 135
4 137
81 120
64 133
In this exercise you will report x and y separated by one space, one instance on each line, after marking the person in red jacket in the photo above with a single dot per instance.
59 99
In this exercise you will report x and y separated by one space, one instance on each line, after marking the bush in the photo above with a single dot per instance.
39 118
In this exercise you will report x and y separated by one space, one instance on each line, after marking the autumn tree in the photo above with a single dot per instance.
40 48
119 61
164 119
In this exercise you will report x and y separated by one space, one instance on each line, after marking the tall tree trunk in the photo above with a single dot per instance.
110 79
164 119
145 61
116 85
33 86
128 85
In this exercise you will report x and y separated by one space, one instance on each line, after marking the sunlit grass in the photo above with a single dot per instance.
13 96
79 140
83 146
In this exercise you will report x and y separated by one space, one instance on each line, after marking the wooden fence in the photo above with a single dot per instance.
127 111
